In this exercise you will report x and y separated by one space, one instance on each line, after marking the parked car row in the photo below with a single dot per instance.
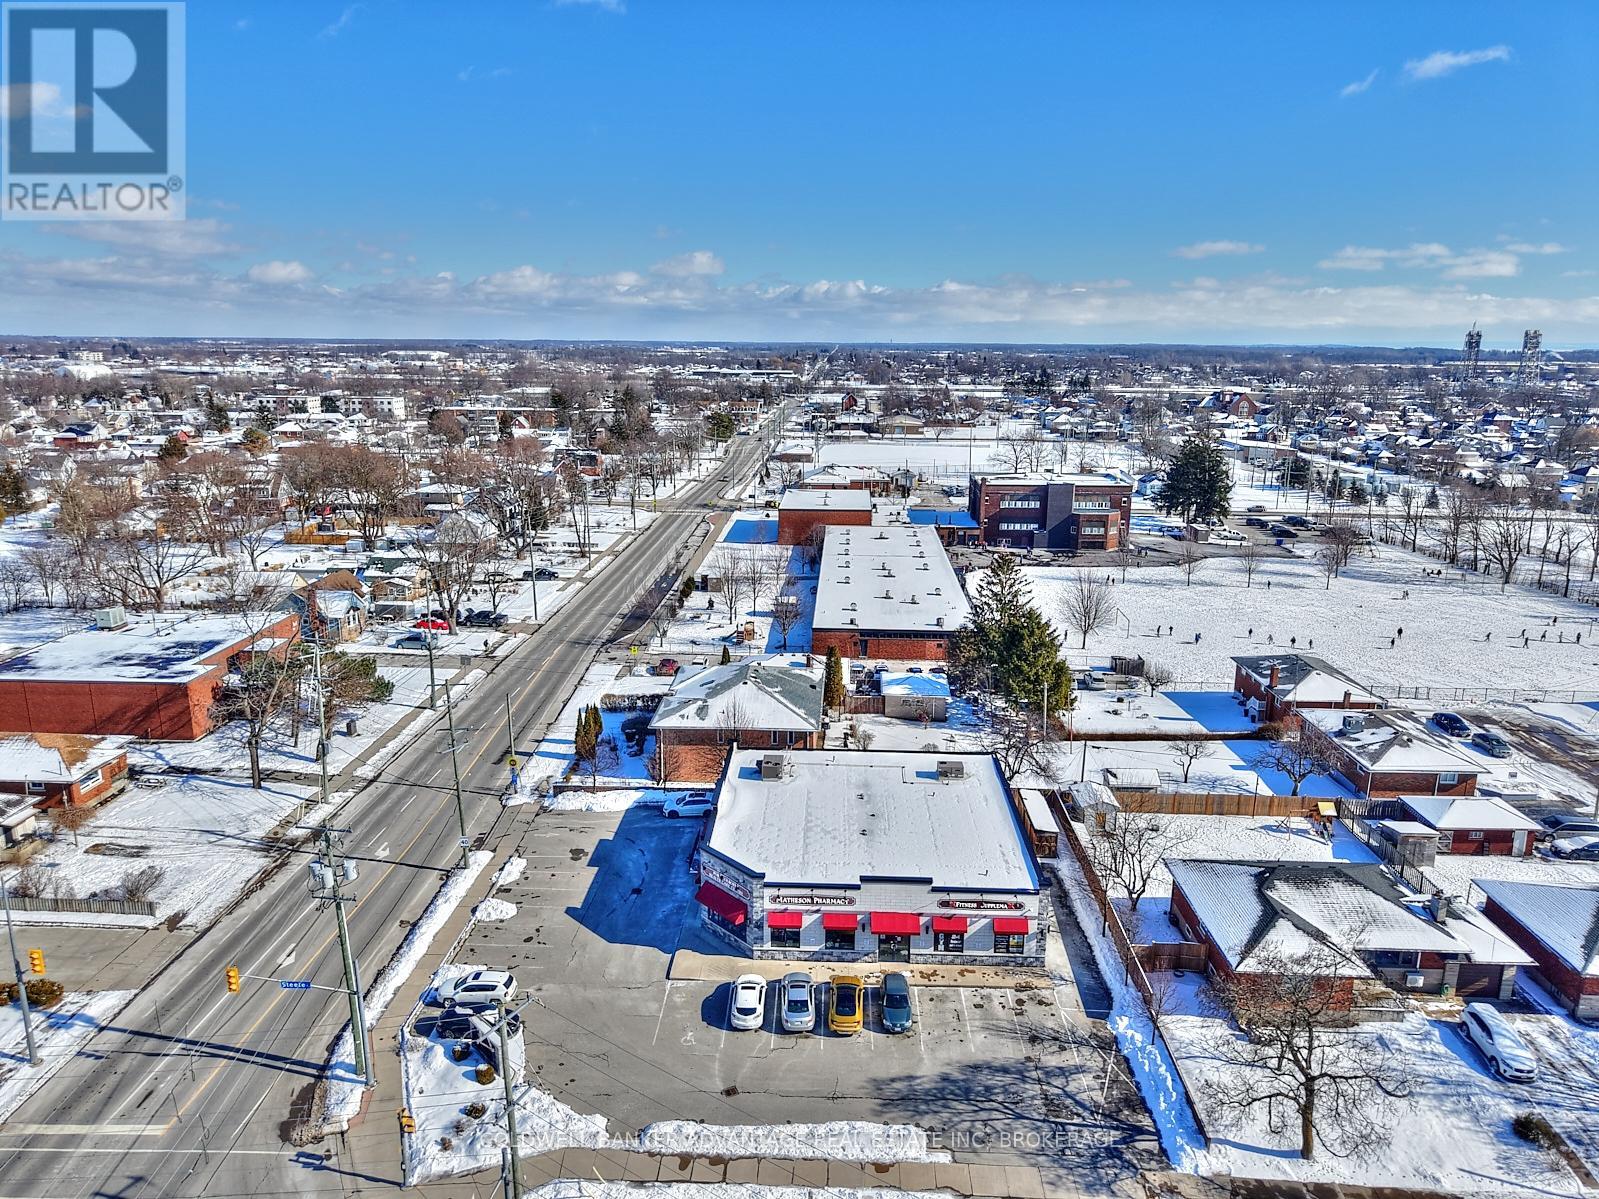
1494 745
797 1009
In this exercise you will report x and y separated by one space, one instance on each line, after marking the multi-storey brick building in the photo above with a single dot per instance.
887 592
1052 512
802 510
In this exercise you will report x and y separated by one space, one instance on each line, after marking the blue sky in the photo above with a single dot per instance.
863 171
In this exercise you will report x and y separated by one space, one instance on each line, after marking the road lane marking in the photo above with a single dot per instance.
80 1130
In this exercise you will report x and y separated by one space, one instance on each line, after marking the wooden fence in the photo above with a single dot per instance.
1132 966
99 907
1173 955
1215 803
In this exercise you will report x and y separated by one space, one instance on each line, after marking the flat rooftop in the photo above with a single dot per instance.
888 578
825 499
836 817
177 649
1103 478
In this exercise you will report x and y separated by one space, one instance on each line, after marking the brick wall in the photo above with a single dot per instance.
1576 991
895 649
700 755
794 526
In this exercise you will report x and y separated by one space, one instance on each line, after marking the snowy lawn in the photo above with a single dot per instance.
1226 768
207 833
1453 873
553 758
1164 714
1447 623
1452 1134
613 799
59 1033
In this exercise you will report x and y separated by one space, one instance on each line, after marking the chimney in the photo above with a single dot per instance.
1349 697
1272 681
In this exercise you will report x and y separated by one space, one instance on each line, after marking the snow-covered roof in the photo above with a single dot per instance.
1107 478
1394 741
1267 912
156 649
1564 919
56 757
1306 679
774 692
838 817
918 683
894 578
1475 812
826 499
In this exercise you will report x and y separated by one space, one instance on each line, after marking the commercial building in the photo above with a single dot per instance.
887 592
1053 511
56 770
154 677
840 855
802 510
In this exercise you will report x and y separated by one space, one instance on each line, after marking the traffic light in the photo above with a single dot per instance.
36 960
233 980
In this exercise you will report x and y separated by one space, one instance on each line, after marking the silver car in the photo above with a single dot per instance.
799 1003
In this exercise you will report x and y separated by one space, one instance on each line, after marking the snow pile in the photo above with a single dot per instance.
494 909
1151 1064
59 1033
615 800
344 1085
836 1140
512 870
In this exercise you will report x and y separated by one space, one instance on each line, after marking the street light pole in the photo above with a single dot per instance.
331 876
515 1172
22 988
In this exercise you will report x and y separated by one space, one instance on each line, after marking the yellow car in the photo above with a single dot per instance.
846 999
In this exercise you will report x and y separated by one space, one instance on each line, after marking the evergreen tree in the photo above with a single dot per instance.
1199 484
172 450
216 414
727 656
13 490
833 680
1009 648
538 514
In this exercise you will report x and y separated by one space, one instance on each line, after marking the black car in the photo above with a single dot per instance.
1257 522
1282 531
1449 723
486 619
543 574
1299 522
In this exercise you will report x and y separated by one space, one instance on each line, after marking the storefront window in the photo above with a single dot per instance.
840 938
784 938
1010 942
949 942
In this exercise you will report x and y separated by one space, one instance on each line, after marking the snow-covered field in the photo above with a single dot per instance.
58 1032
1455 633
206 832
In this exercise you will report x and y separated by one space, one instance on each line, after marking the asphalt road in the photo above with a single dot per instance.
191 1090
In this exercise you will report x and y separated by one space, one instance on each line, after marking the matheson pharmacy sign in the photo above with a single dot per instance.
813 901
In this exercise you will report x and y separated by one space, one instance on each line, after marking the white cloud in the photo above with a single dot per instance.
278 272
1358 86
39 99
1469 264
605 5
1542 247
694 264
1210 249
345 20
200 238
1446 62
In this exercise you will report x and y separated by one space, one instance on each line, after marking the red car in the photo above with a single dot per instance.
666 666
432 622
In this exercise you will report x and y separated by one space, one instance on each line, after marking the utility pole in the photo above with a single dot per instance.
22 986
328 878
321 715
455 770
428 637
514 1171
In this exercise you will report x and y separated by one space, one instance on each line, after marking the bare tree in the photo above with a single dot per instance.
71 818
265 686
138 883
1157 675
1250 555
1089 604
1292 753
1020 741
452 550
1504 541
1189 753
1128 851
1299 1053
787 608
1326 559
144 565
1190 557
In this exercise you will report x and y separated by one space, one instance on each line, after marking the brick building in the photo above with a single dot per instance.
1279 683
887 592
770 702
62 769
1559 928
155 678
1052 512
1478 825
802 510
1388 753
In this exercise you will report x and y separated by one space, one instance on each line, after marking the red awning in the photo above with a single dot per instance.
949 924
901 924
838 921
728 907
785 919
1010 924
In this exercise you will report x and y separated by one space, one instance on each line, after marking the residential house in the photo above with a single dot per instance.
333 609
773 701
1389 752
62 769
1273 685
1559 927
1475 825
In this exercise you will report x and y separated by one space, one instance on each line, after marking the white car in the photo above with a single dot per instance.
746 1009
689 803
479 988
1487 1029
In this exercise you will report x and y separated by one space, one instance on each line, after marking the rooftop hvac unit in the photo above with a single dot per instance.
110 618
940 622
951 768
1354 722
772 767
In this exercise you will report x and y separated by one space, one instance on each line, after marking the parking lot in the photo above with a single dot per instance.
994 1075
